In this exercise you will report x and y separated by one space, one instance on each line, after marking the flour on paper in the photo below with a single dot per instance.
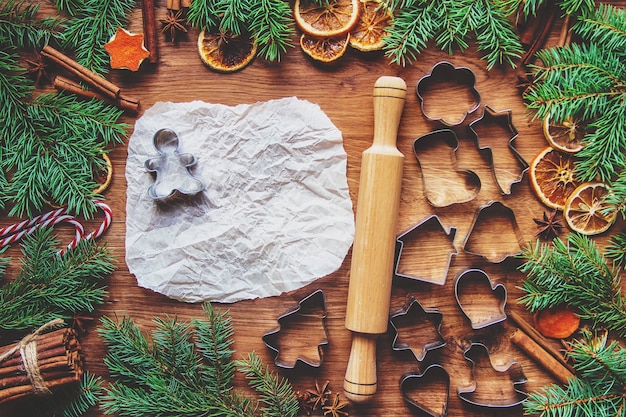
275 213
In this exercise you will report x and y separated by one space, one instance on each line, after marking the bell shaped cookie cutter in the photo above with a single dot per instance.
501 158
419 320
481 300
505 387
434 379
172 169
422 237
452 83
452 185
486 236
309 308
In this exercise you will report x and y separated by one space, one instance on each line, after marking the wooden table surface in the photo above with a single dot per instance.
344 93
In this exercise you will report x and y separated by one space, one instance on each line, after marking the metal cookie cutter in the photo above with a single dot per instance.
298 322
433 385
481 300
491 387
172 169
422 327
451 184
457 88
488 237
496 128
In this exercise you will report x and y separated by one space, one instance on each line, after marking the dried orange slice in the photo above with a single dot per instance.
552 177
225 51
566 136
105 177
331 19
586 211
371 28
324 50
127 50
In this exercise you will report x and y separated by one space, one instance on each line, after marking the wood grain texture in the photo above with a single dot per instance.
344 93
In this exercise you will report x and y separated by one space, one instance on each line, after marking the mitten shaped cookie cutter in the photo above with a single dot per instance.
420 320
499 126
172 169
481 300
452 185
486 237
452 82
511 393
434 379
432 234
312 307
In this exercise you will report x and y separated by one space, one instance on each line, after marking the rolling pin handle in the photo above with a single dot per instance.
360 381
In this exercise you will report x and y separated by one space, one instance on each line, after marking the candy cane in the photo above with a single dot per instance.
5 231
101 229
47 219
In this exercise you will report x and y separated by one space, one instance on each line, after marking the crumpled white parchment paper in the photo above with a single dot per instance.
275 213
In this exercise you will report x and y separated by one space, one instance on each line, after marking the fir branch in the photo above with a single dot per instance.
527 8
277 394
91 27
450 24
272 26
71 7
605 26
617 194
57 153
169 377
20 28
616 248
598 388
494 34
51 286
574 273
203 15
76 400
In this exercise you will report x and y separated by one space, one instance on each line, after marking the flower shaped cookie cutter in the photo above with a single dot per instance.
172 169
447 81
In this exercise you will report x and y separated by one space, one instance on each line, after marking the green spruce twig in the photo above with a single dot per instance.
269 22
91 26
20 28
576 274
598 388
588 80
185 369
50 285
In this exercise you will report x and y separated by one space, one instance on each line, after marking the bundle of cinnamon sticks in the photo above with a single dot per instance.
58 363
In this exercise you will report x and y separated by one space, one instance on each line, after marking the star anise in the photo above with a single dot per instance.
173 24
549 227
37 67
336 408
319 396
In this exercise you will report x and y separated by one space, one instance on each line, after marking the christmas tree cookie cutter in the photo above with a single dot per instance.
481 300
434 384
445 81
494 233
492 387
172 169
422 327
497 129
444 185
297 325
419 240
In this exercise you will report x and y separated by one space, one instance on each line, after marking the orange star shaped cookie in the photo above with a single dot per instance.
126 50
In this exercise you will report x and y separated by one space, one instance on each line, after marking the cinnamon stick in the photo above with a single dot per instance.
538 338
85 74
122 101
150 33
535 351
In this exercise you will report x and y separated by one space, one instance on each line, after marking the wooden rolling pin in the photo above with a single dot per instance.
371 273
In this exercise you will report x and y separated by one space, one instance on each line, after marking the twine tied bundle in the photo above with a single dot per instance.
40 361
